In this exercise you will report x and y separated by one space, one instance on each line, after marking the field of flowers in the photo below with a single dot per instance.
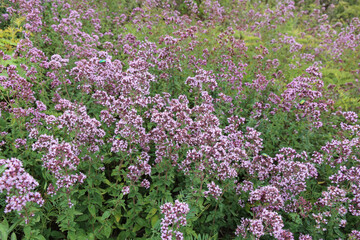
179 119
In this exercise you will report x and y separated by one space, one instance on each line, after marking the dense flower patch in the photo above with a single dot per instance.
188 119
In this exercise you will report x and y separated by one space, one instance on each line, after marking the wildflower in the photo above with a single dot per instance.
126 190
145 183
214 190
19 186
268 196
174 217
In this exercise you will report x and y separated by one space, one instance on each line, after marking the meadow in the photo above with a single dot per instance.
179 119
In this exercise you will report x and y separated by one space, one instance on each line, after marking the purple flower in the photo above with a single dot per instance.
214 190
145 183
126 190
267 196
265 222
174 217
305 237
20 142
19 186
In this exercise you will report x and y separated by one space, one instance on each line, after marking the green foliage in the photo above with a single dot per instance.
10 36
99 208
347 10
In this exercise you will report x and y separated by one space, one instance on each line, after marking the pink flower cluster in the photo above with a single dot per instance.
19 186
174 217
61 160
32 9
269 197
265 222
214 190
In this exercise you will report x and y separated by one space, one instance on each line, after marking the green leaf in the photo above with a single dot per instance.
296 218
40 237
27 231
2 168
123 235
77 213
107 231
91 236
13 236
106 215
92 210
339 233
191 232
36 219
209 218
72 235
151 213
141 222
82 218
117 215
3 231
154 220
5 224
136 228
107 182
